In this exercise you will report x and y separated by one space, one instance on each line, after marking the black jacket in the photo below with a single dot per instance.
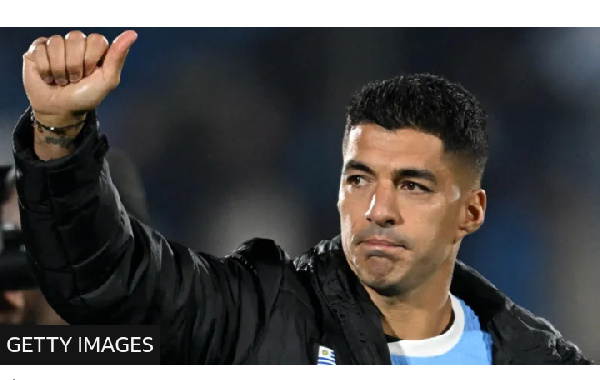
97 265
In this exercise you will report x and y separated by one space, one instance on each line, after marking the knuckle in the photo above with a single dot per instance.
94 36
75 35
32 49
54 40
98 39
39 49
41 41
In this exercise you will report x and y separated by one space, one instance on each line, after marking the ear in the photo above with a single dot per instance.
474 213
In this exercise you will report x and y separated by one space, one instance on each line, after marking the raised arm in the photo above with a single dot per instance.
96 264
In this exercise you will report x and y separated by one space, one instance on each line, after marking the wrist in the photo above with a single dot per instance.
59 120
55 136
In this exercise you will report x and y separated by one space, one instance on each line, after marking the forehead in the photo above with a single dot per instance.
377 146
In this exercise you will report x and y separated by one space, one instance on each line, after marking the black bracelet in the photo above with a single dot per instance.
57 130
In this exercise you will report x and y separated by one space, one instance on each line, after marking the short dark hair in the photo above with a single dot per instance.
427 103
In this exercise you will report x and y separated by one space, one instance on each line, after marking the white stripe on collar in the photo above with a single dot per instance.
438 345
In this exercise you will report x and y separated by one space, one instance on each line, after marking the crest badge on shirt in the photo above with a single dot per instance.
326 356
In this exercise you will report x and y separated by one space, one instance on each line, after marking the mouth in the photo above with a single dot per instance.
381 246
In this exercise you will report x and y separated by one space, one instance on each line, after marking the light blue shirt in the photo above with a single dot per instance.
463 343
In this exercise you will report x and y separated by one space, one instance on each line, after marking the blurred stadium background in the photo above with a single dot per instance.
237 133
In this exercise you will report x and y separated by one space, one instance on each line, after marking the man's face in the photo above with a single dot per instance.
401 204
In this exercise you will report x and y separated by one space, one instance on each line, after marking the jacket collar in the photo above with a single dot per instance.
360 336
518 336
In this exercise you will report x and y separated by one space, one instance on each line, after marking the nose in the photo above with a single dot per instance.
383 208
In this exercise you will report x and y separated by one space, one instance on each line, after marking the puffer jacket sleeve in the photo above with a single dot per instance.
98 265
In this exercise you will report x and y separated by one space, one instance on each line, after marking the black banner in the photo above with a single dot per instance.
79 345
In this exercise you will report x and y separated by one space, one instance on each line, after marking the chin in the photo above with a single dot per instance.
387 284
384 287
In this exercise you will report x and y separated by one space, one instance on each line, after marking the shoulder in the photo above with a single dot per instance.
323 252
542 335
265 259
519 336
260 254
274 272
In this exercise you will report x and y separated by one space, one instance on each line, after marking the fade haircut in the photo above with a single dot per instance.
427 103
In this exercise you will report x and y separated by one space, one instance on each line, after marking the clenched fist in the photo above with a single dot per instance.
68 76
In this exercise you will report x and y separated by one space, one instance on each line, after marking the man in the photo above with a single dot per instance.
388 290
21 301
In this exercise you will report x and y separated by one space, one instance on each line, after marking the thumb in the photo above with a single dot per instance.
115 57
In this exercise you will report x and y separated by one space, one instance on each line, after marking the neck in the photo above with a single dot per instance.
419 313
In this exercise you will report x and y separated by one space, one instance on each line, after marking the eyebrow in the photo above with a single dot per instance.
415 173
357 165
397 173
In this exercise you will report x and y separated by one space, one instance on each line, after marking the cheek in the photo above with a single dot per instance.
352 214
437 224
429 223
347 213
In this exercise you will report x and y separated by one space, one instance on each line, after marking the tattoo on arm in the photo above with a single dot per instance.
62 141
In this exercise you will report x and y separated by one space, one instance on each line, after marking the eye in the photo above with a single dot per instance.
414 187
356 180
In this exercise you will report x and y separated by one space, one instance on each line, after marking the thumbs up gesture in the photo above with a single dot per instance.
65 77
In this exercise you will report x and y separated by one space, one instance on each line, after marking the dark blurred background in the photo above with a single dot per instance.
237 133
